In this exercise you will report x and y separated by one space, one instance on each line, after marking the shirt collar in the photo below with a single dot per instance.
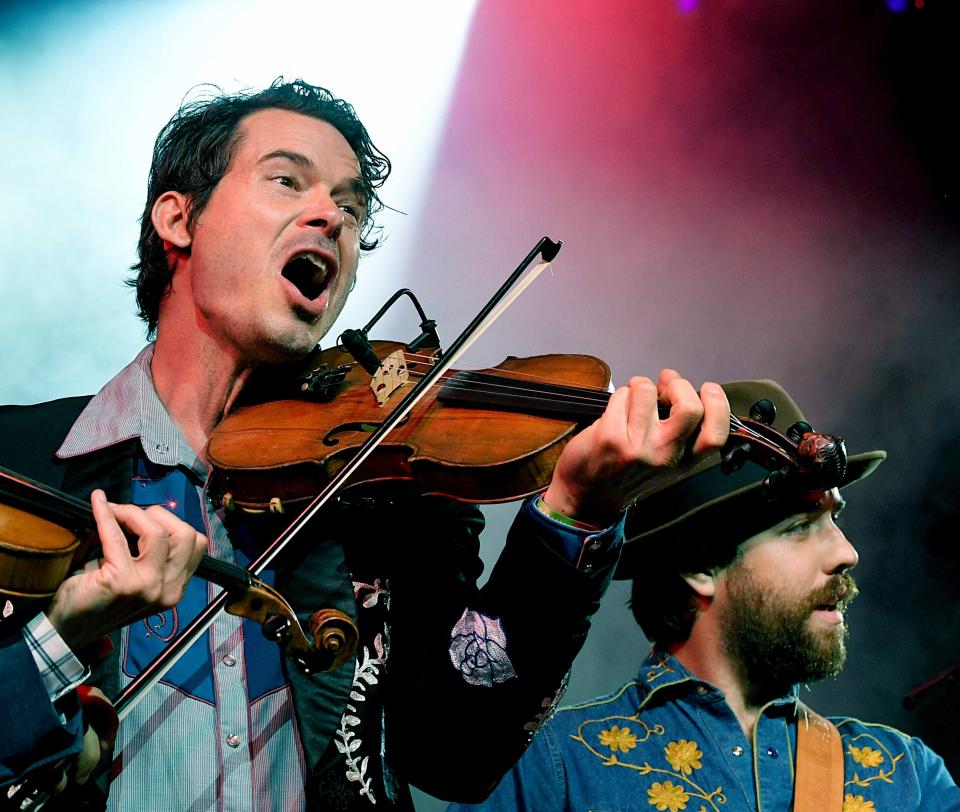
128 407
661 669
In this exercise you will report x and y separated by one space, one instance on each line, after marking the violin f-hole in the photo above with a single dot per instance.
330 438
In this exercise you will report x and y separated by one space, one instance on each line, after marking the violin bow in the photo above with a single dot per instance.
547 250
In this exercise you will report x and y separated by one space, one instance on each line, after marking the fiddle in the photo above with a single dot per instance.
482 436
45 534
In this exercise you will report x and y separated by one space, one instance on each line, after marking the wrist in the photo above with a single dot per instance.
563 511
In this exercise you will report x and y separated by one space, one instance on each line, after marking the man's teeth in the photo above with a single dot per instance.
309 273
319 262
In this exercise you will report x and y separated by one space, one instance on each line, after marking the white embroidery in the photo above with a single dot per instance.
548 707
371 599
348 742
478 650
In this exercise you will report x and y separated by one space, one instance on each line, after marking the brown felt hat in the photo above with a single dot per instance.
694 501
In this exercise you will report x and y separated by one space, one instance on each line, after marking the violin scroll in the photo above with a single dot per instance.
334 633
800 459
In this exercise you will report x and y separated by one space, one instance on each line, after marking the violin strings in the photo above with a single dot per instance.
428 360
602 395
591 396
504 373
490 387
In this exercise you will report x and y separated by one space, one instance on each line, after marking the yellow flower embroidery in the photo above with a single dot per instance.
866 756
667 796
855 803
684 756
618 738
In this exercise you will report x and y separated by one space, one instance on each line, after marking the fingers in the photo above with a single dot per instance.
184 550
686 408
660 418
198 550
88 757
113 541
607 465
125 585
169 548
705 413
640 405
715 424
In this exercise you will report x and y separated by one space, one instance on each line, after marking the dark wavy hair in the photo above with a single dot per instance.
193 152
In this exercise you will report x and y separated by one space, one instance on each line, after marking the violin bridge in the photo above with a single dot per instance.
392 375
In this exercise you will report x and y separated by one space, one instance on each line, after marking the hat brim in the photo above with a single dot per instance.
746 507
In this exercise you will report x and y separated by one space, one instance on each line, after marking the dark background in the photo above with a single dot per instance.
745 190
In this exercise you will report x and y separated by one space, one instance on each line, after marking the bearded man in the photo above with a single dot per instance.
743 587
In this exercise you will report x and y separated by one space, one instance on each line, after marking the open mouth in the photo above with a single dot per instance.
308 273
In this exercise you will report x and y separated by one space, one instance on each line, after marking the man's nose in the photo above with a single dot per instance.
324 214
842 555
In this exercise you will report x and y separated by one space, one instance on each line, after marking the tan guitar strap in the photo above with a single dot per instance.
819 784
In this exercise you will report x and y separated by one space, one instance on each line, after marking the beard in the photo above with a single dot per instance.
770 639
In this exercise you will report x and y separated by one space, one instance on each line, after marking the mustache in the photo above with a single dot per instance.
841 590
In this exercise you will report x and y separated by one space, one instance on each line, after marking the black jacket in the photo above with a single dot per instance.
450 738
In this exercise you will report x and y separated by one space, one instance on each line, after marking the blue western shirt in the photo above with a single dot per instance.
669 741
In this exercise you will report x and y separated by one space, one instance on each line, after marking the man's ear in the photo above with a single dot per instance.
169 215
703 583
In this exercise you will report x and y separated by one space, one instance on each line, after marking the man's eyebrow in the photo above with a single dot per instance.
295 157
358 187
355 185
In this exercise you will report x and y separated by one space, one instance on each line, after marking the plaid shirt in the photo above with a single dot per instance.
60 671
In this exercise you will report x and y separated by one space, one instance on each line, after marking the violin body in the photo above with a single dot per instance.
42 537
466 440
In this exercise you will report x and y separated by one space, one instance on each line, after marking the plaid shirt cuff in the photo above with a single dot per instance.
60 670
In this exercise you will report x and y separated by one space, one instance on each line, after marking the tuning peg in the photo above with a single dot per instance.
734 458
276 628
773 485
798 429
763 411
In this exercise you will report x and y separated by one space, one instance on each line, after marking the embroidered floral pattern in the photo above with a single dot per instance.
866 756
877 760
684 756
348 741
855 803
667 796
618 738
478 650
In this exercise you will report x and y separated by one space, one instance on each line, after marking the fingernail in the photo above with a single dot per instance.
100 496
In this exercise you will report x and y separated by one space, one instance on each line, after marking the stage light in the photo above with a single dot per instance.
85 87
